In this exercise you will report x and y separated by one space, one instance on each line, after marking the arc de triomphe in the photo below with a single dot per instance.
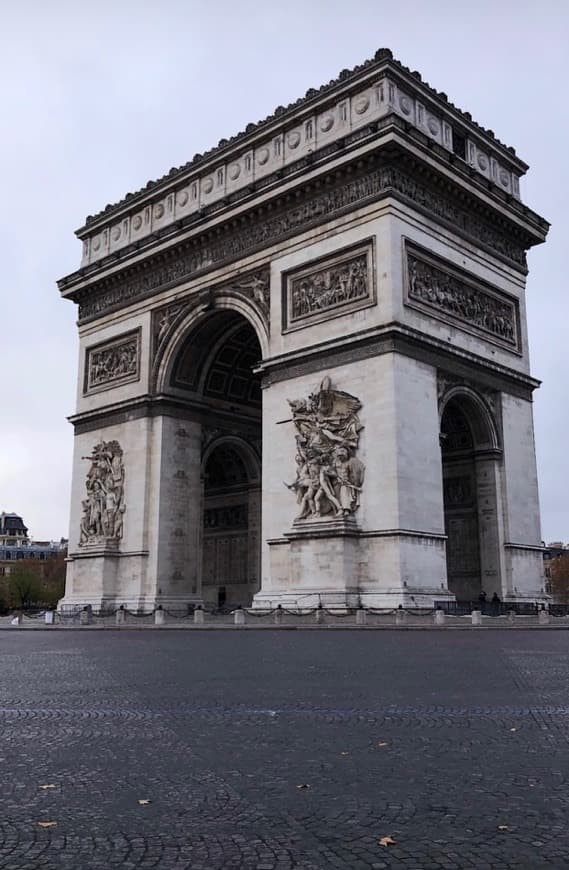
304 365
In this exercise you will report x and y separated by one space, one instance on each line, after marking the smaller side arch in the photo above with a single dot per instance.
485 431
247 453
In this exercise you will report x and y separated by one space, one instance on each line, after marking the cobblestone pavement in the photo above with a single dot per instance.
278 750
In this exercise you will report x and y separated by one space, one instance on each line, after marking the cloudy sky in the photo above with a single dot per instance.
97 98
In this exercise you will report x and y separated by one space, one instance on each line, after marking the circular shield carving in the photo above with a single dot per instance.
361 105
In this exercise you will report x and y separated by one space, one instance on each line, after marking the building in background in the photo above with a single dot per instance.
16 546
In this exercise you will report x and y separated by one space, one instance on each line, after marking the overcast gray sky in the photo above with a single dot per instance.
97 98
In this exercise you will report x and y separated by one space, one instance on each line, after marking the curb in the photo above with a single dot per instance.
229 627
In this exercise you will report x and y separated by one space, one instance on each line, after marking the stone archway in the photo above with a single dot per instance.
471 456
211 377
231 523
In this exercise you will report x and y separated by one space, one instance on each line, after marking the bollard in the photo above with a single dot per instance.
120 615
239 616
476 617
440 617
48 616
543 617
511 616
400 616
85 616
319 615
159 616
198 616
361 616
278 615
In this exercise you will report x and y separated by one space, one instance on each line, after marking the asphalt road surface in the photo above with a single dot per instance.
284 749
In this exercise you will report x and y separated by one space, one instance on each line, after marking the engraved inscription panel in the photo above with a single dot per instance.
113 363
328 288
451 294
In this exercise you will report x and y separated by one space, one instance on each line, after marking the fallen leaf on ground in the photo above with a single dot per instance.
143 802
503 827
47 824
303 785
47 785
387 841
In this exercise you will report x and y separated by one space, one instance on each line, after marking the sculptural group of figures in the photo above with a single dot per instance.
452 295
329 477
104 507
113 362
329 287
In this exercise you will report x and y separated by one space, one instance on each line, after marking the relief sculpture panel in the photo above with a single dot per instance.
329 288
113 363
451 294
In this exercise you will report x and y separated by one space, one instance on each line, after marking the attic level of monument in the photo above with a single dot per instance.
313 97
304 373
377 103
199 246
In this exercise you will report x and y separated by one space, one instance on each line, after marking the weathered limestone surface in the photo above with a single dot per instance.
310 347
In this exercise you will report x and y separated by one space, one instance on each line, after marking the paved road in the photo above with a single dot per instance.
280 750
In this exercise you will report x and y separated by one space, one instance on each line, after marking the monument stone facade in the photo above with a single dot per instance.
304 372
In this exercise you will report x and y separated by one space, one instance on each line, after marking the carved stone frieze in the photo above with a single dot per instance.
329 476
315 207
103 507
333 286
113 363
450 293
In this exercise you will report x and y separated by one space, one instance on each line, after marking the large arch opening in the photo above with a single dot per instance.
212 376
470 453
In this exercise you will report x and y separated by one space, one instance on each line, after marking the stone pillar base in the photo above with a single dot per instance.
321 566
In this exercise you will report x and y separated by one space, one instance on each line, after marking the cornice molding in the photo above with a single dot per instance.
394 174
397 338
409 89
392 338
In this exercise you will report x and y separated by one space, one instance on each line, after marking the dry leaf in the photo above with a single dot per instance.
303 785
47 785
143 802
47 824
503 827
387 841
